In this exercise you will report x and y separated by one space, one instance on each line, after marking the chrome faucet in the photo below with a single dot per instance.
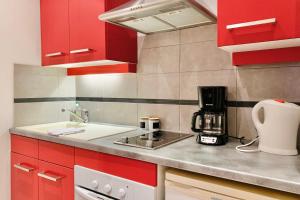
78 114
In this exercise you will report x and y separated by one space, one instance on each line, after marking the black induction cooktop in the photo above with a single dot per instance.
153 140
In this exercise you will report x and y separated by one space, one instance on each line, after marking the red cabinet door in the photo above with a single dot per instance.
87 32
55 182
24 180
55 31
231 12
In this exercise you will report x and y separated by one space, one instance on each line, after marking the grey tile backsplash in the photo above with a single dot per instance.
171 66
38 82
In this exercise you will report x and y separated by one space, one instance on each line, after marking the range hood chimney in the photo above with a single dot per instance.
151 16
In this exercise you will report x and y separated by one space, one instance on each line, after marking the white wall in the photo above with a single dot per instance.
19 43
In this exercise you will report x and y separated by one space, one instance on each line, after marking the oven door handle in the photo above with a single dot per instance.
85 194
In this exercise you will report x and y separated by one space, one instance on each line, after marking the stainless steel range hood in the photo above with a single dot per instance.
150 16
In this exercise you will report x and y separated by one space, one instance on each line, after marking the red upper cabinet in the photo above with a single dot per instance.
94 40
74 24
87 38
55 31
24 180
259 32
253 21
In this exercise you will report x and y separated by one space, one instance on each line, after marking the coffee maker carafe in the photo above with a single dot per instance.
212 123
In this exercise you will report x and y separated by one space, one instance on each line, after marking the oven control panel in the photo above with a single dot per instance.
112 186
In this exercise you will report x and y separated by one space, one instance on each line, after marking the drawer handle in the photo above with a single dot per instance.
253 23
48 177
87 50
23 168
54 54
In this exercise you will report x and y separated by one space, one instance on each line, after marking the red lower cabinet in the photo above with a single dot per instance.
55 182
41 170
50 175
24 180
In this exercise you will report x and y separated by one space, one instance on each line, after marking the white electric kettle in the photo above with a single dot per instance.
278 132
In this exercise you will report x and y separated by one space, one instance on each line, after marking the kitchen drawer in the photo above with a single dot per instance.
87 158
24 145
234 12
135 170
56 153
176 191
24 180
55 182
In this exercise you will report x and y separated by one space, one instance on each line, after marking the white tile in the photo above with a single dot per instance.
148 61
268 83
190 81
36 70
94 110
34 81
162 39
89 86
147 86
204 56
118 113
30 86
168 86
37 113
65 116
119 85
168 59
67 86
169 114
159 86
199 34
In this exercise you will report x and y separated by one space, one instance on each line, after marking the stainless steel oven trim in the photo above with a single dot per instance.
89 195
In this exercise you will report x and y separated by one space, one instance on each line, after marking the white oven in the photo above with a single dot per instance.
95 185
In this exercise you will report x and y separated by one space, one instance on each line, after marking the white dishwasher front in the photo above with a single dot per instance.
182 185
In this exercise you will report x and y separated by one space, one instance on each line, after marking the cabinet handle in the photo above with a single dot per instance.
23 168
77 51
253 23
54 54
48 177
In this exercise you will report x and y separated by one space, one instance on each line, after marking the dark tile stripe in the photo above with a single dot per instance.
129 100
45 99
242 104
238 104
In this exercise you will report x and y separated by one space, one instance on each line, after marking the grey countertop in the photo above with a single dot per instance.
261 169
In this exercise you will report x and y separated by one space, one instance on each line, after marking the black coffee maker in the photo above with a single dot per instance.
212 123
